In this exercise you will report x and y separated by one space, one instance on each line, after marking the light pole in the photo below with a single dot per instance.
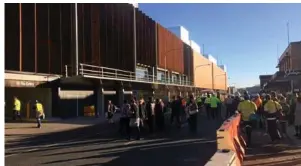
207 64
165 55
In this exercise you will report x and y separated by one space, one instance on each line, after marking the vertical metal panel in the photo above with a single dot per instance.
54 39
42 38
115 31
202 75
12 36
80 17
171 47
188 60
66 33
28 38
219 77
146 39
95 35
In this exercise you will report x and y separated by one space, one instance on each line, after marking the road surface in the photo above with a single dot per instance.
101 145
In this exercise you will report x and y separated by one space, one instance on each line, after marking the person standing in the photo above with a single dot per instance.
159 114
285 110
141 112
39 113
192 109
124 119
207 106
149 108
247 108
214 103
176 109
272 109
297 113
229 104
134 120
17 109
111 111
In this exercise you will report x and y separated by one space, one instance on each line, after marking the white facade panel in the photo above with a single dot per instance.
224 67
181 33
135 5
195 46
211 58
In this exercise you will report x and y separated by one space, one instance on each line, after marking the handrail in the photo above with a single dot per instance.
100 72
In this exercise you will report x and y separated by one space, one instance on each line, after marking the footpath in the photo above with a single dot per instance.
286 152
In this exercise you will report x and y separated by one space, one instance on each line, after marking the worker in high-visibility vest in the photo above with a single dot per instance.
17 109
39 113
207 105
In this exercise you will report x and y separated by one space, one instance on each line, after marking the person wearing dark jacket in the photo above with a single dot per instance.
134 119
142 113
149 108
192 110
159 114
176 109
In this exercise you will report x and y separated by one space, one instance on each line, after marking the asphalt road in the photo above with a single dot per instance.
101 145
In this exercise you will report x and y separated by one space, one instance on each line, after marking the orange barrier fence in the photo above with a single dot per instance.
89 111
230 138
229 142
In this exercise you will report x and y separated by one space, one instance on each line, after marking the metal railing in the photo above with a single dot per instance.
92 71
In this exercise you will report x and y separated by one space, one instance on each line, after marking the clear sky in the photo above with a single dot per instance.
242 36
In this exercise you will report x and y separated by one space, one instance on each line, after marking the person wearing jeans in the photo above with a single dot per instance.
39 113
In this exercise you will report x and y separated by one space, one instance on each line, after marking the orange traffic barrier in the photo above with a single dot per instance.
229 138
89 111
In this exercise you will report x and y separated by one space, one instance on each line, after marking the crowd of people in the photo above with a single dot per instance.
150 115
272 111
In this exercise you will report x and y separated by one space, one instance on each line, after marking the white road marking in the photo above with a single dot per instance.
127 143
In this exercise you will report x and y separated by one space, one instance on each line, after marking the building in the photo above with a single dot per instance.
181 32
211 58
288 77
113 58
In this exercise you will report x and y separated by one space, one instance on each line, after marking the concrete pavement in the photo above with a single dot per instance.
287 152
103 146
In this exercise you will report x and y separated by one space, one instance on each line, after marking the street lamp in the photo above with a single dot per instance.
207 64
165 55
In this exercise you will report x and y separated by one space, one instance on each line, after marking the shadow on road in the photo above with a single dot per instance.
263 152
107 147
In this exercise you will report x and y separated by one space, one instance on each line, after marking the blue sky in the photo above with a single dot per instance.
242 36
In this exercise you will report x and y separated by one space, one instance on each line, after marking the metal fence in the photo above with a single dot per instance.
98 72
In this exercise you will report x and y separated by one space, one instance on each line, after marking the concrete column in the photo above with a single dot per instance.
99 102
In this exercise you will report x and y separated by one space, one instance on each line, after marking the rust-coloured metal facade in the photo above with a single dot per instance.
38 37
146 39
188 60
45 34
170 47
106 35
12 36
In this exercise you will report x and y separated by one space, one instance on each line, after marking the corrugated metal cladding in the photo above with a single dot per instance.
188 60
46 39
171 47
146 39
106 35
12 37
220 78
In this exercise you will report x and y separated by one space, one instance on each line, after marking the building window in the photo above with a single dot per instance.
142 74
160 76
175 79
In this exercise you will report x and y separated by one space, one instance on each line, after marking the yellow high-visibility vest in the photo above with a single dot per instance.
39 107
17 105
